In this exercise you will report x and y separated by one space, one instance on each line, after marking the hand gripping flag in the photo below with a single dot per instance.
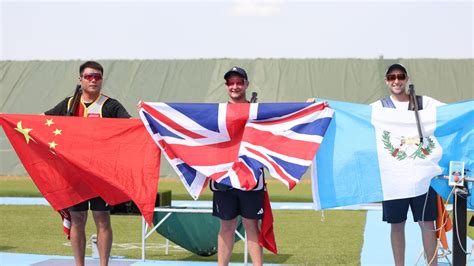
72 159
229 143
372 154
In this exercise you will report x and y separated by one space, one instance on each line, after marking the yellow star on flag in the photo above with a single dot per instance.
57 132
49 122
52 145
24 131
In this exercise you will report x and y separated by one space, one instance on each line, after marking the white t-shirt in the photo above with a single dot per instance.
428 103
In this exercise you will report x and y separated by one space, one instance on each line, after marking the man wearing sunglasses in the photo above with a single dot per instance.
91 103
396 79
395 211
229 203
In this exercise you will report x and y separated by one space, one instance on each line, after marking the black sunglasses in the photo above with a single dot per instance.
392 77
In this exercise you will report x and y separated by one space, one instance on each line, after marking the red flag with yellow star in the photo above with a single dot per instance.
72 159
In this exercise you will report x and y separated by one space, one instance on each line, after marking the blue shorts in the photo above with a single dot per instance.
229 204
395 211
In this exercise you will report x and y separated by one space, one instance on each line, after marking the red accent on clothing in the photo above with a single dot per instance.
79 109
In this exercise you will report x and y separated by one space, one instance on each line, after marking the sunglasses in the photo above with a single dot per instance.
392 77
92 76
240 82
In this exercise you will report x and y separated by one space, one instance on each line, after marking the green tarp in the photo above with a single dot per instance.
32 87
195 232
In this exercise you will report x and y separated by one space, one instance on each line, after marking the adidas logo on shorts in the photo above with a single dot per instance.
260 211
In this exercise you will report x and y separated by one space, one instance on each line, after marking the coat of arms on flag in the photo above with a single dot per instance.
373 154
408 147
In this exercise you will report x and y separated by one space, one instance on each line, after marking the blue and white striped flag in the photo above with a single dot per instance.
371 154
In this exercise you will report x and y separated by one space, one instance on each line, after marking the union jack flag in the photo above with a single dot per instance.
230 143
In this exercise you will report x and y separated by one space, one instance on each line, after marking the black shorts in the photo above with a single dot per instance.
96 204
229 204
395 211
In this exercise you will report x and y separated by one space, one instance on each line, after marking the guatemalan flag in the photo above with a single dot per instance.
371 154
229 143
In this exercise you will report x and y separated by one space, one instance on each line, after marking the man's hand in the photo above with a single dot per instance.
139 105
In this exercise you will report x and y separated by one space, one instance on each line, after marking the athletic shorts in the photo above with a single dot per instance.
96 204
229 204
395 211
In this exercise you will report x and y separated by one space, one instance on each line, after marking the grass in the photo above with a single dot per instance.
337 240
302 237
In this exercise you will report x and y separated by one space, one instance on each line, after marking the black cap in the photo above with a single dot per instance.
238 71
396 66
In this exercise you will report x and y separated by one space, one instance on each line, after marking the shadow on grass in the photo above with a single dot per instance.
5 248
236 257
267 258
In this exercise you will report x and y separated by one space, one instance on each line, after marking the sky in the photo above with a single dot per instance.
154 29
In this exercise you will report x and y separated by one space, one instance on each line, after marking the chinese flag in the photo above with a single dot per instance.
72 159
